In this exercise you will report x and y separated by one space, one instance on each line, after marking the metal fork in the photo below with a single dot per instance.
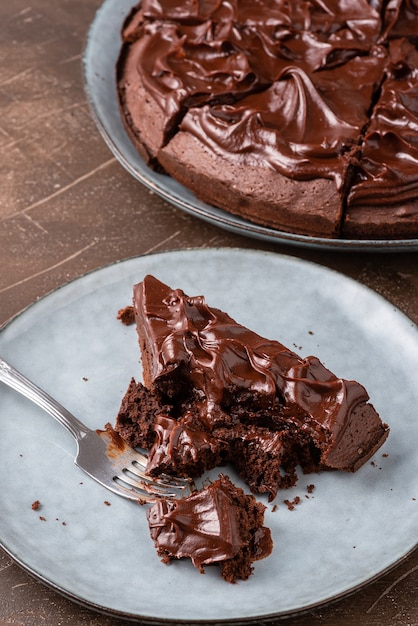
102 454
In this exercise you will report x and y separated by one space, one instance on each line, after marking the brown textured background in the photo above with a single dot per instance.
67 206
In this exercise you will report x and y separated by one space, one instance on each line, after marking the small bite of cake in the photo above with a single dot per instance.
220 524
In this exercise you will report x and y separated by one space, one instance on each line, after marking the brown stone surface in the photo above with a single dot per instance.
67 207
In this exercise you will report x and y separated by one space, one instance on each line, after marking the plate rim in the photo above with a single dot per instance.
200 622
154 182
245 621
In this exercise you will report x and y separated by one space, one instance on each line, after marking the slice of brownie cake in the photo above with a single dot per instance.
216 392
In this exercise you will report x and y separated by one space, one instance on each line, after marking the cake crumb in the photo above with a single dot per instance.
274 508
126 315
309 489
42 518
36 505
85 378
292 503
107 503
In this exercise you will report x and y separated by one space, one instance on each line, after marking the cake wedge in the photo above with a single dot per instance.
217 392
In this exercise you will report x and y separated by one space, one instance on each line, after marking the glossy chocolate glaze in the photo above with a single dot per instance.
206 527
219 357
288 85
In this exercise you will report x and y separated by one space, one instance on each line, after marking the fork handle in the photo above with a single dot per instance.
17 381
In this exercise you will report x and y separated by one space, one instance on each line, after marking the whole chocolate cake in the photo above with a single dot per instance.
214 392
302 116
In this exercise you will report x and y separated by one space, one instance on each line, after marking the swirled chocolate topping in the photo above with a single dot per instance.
215 525
300 126
187 344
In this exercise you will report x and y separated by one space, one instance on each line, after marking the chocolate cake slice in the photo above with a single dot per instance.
218 392
218 525
384 193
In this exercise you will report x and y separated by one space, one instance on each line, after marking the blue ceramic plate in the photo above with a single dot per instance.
338 538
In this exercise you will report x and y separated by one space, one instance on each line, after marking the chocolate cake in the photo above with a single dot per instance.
302 116
220 524
215 392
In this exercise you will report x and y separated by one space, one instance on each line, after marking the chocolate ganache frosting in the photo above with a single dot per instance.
180 447
310 91
186 342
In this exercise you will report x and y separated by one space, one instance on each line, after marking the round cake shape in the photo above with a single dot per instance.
266 108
